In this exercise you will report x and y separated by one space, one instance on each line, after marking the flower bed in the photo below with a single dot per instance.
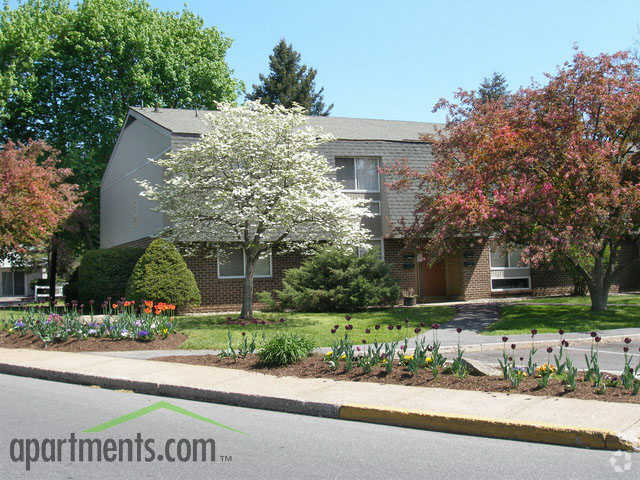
315 367
118 322
392 362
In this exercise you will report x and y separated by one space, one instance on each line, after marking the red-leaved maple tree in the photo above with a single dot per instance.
554 168
34 197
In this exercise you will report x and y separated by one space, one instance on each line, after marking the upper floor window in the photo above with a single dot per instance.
359 174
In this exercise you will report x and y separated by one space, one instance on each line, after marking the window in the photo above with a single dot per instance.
374 207
376 243
358 174
231 264
508 271
13 284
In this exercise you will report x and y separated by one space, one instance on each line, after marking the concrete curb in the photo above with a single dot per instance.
460 424
278 404
486 427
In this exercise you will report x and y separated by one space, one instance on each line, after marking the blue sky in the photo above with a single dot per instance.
394 60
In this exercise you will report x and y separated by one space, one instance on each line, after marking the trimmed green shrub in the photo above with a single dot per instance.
285 349
335 281
70 290
105 273
161 275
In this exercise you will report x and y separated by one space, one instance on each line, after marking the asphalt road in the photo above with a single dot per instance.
274 445
611 356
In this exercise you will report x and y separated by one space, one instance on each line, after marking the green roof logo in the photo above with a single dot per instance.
152 408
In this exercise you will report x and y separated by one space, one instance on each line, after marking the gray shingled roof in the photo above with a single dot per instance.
180 121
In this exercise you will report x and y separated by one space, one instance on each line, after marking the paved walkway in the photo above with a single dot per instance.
533 418
473 318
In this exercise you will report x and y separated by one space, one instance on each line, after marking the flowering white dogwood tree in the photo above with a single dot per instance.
256 183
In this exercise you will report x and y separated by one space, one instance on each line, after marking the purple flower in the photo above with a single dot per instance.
459 330
333 330
377 327
348 327
282 320
504 339
594 334
336 327
347 317
364 340
435 326
534 332
389 327
398 327
367 330
597 339
626 349
141 333
513 346
549 349
627 340
561 332
417 330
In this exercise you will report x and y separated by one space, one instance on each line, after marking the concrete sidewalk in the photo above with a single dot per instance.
582 423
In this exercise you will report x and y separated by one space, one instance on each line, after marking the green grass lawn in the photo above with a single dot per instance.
613 300
571 318
211 332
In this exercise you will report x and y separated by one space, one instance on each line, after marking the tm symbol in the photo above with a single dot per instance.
226 458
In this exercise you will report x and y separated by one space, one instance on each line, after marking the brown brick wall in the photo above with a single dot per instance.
226 293
476 277
394 252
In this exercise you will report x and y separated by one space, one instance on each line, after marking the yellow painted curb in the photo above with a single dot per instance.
486 427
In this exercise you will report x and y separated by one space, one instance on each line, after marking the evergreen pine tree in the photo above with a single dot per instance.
289 82
491 89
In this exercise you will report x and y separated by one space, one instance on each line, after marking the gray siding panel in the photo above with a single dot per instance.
125 216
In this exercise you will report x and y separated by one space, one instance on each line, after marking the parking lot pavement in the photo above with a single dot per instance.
611 355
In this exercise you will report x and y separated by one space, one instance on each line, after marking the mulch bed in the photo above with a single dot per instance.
91 344
314 367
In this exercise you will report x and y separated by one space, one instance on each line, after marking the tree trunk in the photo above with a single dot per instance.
247 287
599 286
599 297
53 272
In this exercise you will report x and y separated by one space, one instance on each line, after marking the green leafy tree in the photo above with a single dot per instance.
68 76
491 89
161 275
290 82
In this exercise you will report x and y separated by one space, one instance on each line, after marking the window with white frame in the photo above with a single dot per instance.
232 264
508 271
358 174
376 243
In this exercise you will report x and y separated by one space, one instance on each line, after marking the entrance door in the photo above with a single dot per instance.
432 280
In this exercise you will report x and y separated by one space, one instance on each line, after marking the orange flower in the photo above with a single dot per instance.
147 310
114 306
148 303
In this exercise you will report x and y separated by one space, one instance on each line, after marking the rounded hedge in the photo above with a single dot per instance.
104 273
161 275
338 281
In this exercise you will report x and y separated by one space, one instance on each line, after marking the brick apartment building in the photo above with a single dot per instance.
361 146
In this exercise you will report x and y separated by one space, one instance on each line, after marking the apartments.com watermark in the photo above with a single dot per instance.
139 449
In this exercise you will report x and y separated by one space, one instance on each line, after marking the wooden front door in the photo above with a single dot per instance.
432 280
